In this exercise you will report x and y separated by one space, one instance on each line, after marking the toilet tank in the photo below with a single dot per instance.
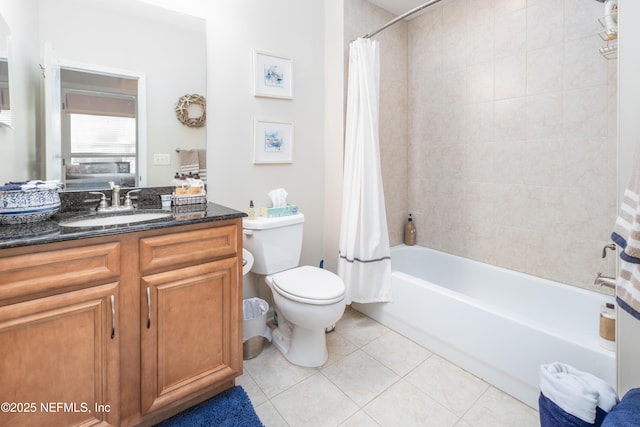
275 243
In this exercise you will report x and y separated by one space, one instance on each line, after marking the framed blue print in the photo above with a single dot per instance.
273 76
272 142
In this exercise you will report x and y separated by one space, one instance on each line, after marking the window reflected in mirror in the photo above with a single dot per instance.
99 130
5 104
5 101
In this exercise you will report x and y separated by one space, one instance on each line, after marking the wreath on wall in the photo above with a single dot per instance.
183 108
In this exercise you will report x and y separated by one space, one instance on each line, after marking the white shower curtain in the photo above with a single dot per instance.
365 261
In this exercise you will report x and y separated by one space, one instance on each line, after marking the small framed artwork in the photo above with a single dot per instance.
272 142
273 76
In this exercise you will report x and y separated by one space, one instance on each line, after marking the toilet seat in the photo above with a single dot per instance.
310 285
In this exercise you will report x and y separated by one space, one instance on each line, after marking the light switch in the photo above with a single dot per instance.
161 159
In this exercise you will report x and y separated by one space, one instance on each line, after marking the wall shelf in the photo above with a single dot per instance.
609 34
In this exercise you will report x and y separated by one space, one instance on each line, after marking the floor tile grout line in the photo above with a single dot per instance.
400 377
403 376
270 402
377 395
432 354
475 402
355 347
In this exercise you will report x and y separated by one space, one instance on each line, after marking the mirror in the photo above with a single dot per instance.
5 104
164 51
99 129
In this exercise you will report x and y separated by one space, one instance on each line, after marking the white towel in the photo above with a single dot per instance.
626 234
575 392
40 185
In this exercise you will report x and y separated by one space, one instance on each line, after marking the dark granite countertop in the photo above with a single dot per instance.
16 235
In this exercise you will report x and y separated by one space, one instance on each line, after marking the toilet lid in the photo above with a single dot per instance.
310 285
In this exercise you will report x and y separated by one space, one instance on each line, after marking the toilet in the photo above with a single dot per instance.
307 299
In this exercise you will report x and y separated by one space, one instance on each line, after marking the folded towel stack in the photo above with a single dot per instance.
569 397
40 185
29 185
10 187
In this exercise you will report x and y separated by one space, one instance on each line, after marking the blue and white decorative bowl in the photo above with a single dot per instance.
20 207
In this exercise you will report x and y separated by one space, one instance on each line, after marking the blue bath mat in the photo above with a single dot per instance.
231 408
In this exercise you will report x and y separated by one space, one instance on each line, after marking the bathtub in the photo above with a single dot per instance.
498 324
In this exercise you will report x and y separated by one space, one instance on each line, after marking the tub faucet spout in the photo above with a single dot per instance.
609 282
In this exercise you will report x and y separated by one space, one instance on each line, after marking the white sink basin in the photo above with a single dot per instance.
114 220
247 261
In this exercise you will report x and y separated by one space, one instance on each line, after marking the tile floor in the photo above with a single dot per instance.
375 377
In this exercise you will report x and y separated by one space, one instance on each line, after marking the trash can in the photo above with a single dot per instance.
254 327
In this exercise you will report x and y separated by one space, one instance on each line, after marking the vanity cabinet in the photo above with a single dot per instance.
59 336
188 314
120 330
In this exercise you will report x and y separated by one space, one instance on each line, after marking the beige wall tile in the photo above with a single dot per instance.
502 140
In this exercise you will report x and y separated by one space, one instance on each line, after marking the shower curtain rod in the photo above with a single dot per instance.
401 17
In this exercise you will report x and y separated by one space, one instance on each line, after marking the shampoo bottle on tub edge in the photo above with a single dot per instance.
410 232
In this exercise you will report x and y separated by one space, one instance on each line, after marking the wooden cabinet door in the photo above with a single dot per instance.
59 360
190 331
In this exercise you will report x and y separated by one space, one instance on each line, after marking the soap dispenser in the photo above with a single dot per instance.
251 213
197 185
182 187
410 232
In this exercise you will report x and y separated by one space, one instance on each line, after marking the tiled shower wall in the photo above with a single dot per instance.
510 115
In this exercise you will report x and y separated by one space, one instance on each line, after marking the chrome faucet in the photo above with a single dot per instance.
127 199
610 246
103 206
115 196
115 200
609 282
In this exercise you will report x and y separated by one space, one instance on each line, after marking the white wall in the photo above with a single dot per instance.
334 128
192 7
287 28
629 143
18 145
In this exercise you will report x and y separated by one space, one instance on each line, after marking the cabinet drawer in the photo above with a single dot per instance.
179 249
48 272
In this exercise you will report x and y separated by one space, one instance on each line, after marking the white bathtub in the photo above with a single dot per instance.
498 324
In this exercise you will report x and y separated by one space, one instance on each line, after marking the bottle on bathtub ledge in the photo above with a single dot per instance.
410 232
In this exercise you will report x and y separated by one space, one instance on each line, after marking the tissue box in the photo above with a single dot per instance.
281 211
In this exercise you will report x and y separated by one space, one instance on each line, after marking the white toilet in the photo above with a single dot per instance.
307 299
